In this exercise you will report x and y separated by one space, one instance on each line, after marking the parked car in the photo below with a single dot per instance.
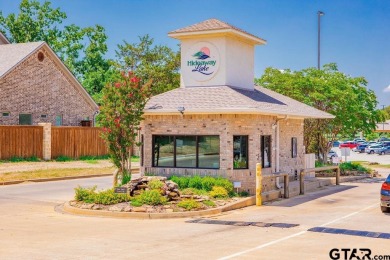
336 143
349 144
385 143
385 195
332 154
361 148
383 150
372 148
359 140
383 139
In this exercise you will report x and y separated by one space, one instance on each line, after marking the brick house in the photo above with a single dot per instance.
36 87
218 122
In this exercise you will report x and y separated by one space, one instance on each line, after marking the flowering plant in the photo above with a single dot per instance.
121 115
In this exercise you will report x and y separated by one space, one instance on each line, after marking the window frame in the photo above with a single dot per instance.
262 140
247 152
175 153
294 147
8 114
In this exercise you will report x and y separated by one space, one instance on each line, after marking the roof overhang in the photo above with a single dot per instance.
217 33
3 39
232 111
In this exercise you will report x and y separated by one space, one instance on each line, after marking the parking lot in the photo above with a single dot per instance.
355 156
305 227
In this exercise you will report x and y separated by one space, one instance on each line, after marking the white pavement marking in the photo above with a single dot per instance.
293 235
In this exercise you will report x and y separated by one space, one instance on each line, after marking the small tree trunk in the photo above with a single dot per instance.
115 180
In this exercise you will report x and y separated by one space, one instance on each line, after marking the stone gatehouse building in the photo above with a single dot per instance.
218 122
36 87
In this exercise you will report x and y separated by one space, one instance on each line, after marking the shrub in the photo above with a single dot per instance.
182 182
22 159
209 203
151 197
193 191
225 183
155 184
136 203
106 197
85 194
189 204
208 183
219 192
353 166
243 194
126 178
109 197
195 182
63 158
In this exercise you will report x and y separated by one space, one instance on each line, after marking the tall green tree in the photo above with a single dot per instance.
148 61
327 89
81 49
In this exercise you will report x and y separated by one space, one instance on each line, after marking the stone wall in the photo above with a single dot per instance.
226 126
40 88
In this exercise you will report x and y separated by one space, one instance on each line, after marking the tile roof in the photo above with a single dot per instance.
210 25
13 54
224 99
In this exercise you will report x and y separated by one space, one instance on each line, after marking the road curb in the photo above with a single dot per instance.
139 215
60 178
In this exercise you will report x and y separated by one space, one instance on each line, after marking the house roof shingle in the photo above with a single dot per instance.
12 54
212 25
228 100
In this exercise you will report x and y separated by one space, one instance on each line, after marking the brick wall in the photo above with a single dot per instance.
226 126
40 88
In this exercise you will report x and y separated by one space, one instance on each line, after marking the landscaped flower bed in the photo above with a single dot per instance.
159 195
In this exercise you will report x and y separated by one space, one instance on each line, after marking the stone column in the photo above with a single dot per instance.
46 141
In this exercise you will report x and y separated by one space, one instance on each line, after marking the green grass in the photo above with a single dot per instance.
134 158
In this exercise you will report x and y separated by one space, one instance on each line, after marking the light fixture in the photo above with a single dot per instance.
181 110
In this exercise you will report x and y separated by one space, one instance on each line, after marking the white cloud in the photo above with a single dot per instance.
387 89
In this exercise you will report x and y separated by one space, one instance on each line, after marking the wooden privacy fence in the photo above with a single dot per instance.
47 142
77 141
21 141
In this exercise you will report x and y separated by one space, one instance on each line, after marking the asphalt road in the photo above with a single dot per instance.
31 228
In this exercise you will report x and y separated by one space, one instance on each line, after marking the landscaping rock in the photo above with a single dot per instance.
169 210
139 209
97 207
127 209
115 208
87 206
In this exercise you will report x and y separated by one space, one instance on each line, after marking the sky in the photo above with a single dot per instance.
355 34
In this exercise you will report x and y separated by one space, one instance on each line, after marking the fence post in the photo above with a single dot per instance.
286 186
258 184
302 182
46 141
338 176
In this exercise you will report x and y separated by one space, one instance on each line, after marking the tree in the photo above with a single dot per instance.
345 97
159 63
81 49
386 111
122 110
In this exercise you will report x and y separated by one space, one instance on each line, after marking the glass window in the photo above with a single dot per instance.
5 114
59 120
266 151
163 151
186 151
25 119
240 152
294 147
208 151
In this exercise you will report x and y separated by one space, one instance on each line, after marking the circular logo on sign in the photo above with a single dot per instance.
202 61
